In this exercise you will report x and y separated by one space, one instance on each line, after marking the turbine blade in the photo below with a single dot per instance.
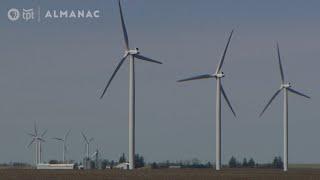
205 76
224 54
91 139
30 143
124 29
59 139
66 135
272 98
30 134
44 133
280 64
35 128
298 93
227 100
113 75
146 59
84 137
93 154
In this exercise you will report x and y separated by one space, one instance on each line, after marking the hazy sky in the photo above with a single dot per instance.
53 72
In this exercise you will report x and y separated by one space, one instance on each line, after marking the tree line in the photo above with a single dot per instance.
234 163
194 163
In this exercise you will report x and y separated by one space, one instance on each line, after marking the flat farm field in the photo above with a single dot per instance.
161 174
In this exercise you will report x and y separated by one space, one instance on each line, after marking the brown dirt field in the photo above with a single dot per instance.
161 174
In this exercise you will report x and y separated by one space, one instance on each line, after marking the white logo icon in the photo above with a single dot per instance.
27 14
13 14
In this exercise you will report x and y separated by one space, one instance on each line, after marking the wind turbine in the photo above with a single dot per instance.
96 156
217 75
37 139
132 54
286 87
87 144
64 141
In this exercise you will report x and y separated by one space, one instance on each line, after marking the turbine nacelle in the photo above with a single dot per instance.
133 51
287 85
40 139
219 75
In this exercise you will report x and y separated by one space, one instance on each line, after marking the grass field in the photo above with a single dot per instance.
308 166
161 174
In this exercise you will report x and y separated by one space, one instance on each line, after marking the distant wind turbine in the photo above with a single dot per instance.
37 139
87 144
96 156
286 87
217 75
64 141
132 54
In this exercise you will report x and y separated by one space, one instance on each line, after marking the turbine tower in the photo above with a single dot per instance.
87 144
286 87
64 141
217 75
37 139
132 54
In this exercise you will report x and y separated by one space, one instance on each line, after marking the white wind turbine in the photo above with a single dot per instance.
64 141
96 156
87 144
217 75
132 54
286 87
37 139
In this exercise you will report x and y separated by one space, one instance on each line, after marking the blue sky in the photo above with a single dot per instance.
53 73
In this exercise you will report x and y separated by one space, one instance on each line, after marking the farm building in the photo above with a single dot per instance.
122 166
55 166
